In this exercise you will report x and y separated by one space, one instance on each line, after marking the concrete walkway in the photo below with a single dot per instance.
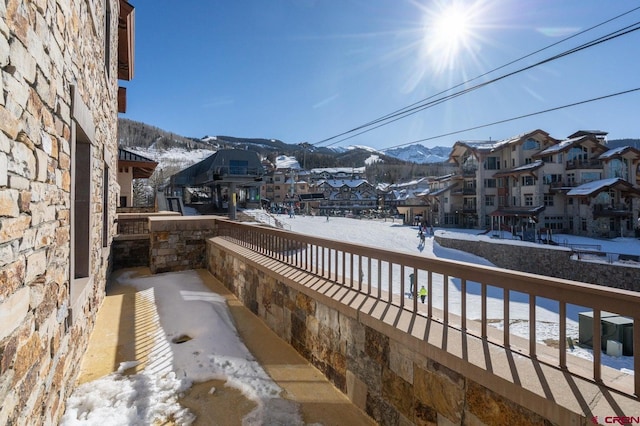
125 322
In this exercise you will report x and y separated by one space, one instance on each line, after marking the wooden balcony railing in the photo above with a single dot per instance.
457 287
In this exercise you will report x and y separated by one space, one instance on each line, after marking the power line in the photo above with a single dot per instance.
416 109
412 108
502 66
517 118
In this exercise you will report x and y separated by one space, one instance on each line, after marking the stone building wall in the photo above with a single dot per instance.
55 88
392 375
552 261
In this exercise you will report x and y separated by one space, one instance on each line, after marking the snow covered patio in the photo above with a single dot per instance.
178 348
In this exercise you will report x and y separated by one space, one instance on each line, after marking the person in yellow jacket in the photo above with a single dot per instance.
423 293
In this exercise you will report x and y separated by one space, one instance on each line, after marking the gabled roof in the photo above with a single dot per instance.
592 189
588 132
620 151
492 146
567 144
338 183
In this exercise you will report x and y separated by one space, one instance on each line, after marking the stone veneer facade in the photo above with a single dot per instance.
58 121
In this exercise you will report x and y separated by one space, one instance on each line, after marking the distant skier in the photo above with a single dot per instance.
421 236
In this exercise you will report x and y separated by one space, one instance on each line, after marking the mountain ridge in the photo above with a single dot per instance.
134 134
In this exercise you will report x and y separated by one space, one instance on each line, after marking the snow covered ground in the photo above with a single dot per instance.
393 235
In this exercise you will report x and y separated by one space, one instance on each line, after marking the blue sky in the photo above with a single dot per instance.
307 70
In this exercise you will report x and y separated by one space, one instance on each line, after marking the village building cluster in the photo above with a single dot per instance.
529 183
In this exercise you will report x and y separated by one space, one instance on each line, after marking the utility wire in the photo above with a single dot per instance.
494 70
407 112
517 118
410 107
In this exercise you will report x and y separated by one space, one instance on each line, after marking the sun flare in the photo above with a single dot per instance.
451 28
449 33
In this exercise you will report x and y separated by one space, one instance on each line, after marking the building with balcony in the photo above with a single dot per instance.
346 196
535 181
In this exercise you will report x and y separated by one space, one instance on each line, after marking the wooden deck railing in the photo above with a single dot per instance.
456 289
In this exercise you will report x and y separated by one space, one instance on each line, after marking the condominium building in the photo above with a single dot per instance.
534 181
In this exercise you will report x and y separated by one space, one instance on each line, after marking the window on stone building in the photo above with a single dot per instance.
107 37
81 210
105 206
82 135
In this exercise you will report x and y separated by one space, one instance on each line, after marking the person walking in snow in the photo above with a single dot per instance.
423 293
411 284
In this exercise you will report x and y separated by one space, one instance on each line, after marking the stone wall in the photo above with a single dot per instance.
392 375
53 81
129 251
552 261
179 243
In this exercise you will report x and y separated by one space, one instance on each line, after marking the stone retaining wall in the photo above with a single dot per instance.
395 377
129 251
179 243
552 261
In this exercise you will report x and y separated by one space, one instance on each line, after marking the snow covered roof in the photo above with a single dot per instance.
565 144
521 169
619 151
286 162
335 170
613 152
415 182
589 132
351 183
490 146
569 143
593 188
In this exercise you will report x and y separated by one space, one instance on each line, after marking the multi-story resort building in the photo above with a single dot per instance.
534 181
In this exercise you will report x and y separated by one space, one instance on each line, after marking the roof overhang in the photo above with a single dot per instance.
126 32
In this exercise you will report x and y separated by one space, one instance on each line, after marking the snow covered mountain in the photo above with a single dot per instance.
420 154
174 152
